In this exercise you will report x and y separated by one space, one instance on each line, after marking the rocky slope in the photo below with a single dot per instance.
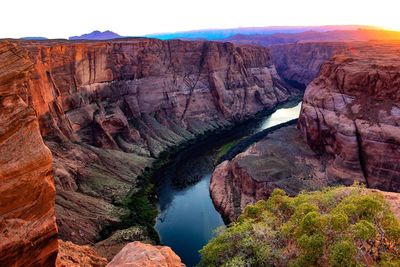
108 109
28 231
349 131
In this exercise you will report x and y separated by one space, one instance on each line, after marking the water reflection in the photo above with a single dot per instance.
187 217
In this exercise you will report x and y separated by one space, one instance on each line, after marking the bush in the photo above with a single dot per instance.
341 226
342 254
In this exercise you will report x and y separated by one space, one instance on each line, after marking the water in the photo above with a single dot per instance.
187 218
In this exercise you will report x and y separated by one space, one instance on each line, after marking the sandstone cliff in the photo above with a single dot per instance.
351 112
108 109
28 231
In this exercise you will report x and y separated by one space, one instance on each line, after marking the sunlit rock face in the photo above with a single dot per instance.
351 112
107 109
28 231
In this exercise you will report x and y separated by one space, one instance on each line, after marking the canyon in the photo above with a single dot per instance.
106 111
348 131
84 121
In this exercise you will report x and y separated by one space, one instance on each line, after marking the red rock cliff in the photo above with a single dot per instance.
28 231
108 109
352 113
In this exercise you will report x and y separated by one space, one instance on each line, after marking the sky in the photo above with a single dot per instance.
61 19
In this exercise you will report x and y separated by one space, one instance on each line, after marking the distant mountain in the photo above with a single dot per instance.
97 35
315 36
33 38
218 34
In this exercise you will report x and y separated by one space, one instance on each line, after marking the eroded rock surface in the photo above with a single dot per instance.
138 254
351 112
28 231
72 255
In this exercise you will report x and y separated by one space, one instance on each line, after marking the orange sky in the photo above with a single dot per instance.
55 18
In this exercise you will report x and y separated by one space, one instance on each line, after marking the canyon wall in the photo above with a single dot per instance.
351 112
348 132
107 109
300 63
28 231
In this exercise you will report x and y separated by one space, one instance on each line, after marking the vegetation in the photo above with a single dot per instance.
224 149
341 226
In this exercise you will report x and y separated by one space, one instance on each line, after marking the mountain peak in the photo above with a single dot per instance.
96 35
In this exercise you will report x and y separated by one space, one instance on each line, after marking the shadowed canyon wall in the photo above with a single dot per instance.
300 63
108 109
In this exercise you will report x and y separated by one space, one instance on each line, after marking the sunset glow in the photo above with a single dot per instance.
54 19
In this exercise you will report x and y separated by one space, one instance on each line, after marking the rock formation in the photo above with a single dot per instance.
137 254
107 109
351 112
71 255
28 231
280 160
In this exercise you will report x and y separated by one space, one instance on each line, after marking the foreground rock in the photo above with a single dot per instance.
138 254
351 113
281 160
71 255
28 231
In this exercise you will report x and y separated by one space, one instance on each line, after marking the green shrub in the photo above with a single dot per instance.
364 230
333 227
342 254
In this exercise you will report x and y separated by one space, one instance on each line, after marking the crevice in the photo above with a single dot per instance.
361 157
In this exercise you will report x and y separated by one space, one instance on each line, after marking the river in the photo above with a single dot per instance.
187 219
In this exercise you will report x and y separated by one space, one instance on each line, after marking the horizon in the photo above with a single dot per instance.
163 17
269 29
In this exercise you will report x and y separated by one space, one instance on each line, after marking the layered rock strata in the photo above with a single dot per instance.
28 231
351 112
